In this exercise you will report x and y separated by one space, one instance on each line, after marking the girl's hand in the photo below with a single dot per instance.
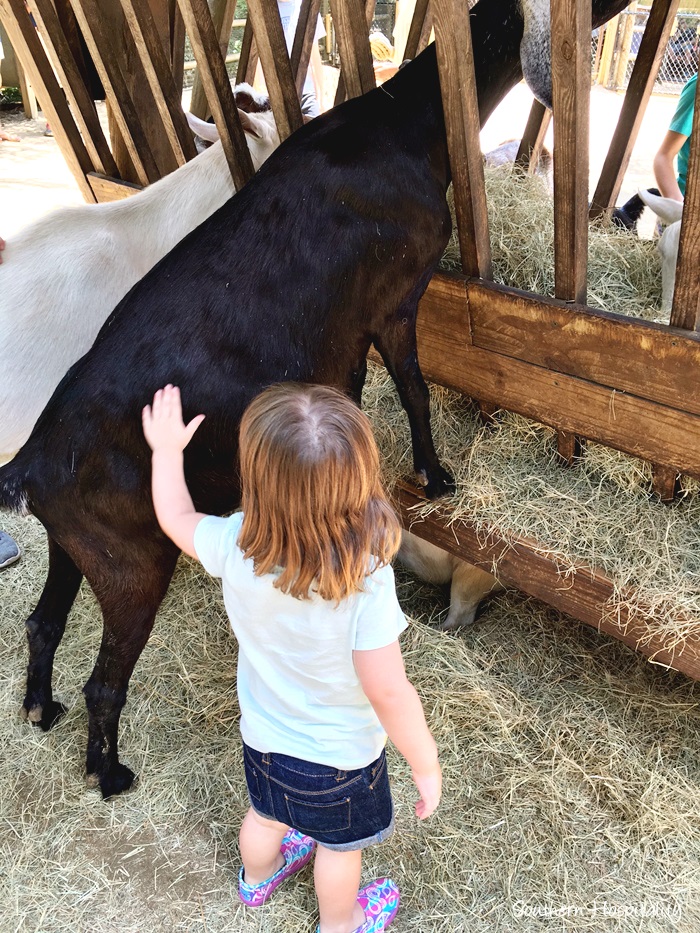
162 421
429 784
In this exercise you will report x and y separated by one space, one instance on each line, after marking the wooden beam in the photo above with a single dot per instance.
212 69
456 69
177 42
351 20
654 432
641 85
586 594
248 61
155 61
29 104
31 54
685 311
111 189
222 14
571 80
277 69
67 68
665 482
536 128
109 63
418 21
302 46
652 361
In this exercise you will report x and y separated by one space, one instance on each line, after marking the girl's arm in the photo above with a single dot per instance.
383 678
664 170
167 436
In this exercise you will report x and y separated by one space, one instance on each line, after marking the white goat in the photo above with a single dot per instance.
63 275
670 212
469 585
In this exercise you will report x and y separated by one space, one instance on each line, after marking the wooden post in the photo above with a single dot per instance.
248 61
571 31
533 138
302 46
420 20
83 106
608 53
685 311
32 56
456 69
210 62
155 60
352 21
29 104
646 68
623 52
277 69
222 13
109 57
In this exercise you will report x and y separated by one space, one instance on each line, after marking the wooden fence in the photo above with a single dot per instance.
626 383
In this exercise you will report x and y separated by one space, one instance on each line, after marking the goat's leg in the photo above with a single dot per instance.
358 383
45 628
397 346
128 621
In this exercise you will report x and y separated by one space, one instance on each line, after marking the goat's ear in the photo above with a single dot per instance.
201 128
665 208
253 124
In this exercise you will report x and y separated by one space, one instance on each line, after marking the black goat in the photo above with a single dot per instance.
324 252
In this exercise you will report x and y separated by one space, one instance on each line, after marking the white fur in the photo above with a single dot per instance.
63 275
670 212
469 584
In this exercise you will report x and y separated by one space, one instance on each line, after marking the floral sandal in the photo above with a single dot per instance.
380 900
297 850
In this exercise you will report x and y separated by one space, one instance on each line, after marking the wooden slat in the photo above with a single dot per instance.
569 447
32 57
304 41
341 91
571 79
69 73
222 14
456 69
248 61
420 16
685 311
29 103
109 67
155 61
350 18
639 427
639 89
177 42
583 593
277 69
536 128
665 482
650 360
214 76
111 189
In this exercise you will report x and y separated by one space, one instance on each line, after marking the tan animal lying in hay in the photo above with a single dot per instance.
469 585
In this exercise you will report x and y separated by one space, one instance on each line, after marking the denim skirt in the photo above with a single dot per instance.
339 809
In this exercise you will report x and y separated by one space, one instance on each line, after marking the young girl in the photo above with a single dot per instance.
309 591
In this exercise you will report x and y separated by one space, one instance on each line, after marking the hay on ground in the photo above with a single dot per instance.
572 770
624 271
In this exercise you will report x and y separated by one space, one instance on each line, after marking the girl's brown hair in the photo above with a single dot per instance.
313 503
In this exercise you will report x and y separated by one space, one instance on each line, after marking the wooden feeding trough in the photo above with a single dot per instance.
625 383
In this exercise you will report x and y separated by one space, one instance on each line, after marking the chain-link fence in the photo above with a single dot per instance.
680 61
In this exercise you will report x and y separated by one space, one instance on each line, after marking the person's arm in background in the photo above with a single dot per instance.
664 165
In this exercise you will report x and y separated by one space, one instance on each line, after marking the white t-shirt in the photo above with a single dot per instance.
297 687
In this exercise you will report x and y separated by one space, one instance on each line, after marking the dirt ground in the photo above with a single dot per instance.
34 178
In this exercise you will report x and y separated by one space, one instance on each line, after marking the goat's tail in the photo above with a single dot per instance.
13 481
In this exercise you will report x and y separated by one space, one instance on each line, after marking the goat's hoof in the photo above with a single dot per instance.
44 716
439 483
119 779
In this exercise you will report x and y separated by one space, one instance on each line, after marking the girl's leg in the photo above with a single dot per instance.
337 882
260 840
